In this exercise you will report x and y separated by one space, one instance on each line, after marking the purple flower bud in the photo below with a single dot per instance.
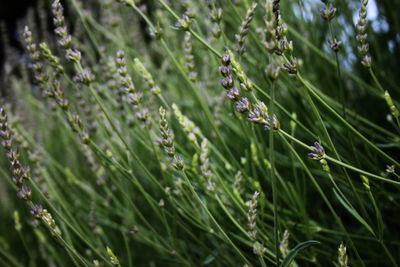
37 211
13 154
233 94
318 152
135 98
6 134
226 59
7 144
18 181
24 193
258 114
228 82
73 55
142 115
243 105
225 70
272 123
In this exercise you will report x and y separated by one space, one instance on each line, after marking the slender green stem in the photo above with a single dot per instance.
273 178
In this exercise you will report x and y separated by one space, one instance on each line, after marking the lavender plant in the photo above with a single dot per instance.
182 133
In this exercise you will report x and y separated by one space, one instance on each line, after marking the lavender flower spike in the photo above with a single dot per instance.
318 152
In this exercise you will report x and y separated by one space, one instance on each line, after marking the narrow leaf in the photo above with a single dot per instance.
354 213
293 253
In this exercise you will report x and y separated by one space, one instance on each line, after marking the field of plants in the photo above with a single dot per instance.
202 133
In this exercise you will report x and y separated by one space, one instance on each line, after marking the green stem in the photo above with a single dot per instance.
273 178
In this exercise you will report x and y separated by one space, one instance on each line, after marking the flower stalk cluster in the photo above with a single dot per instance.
127 87
274 36
52 59
257 113
252 216
188 126
242 104
167 141
146 75
258 248
244 29
228 59
43 214
61 30
37 66
19 173
205 167
189 58
362 26
216 16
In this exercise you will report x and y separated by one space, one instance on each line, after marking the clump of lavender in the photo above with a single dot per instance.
189 58
362 25
244 28
205 165
167 141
